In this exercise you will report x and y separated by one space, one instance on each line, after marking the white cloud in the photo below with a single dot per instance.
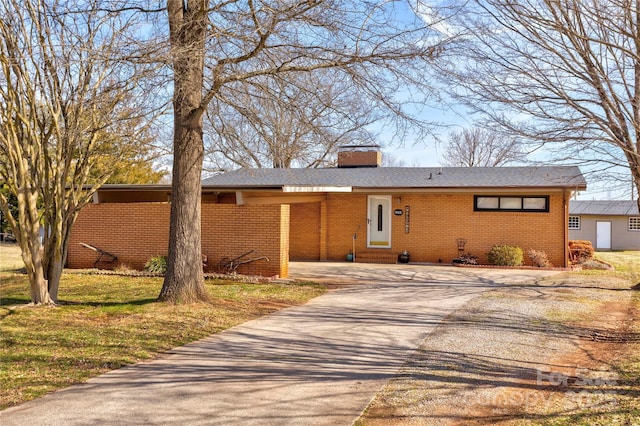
433 14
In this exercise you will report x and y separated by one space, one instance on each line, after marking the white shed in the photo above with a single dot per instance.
609 225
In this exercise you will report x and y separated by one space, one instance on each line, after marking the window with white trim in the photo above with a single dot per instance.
634 223
510 203
574 222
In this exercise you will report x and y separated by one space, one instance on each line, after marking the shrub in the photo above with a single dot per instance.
538 258
506 255
586 242
156 265
469 259
580 250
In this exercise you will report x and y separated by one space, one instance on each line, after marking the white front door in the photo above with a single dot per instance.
603 235
379 220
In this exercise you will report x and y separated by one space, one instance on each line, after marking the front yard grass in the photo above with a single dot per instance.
626 362
10 257
624 261
105 322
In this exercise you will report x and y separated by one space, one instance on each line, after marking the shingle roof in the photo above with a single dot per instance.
403 177
604 208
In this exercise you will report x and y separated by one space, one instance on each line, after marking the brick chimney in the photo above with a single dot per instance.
359 156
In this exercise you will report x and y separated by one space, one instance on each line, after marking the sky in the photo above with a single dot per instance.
429 156
427 153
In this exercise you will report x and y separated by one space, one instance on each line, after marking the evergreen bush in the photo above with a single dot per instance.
505 255
156 265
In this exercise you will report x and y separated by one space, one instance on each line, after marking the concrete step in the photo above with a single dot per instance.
385 257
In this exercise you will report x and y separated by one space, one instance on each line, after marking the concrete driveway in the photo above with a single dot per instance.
317 364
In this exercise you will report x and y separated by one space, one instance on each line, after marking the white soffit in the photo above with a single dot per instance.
296 188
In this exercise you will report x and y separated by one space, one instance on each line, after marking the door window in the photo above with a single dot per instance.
379 220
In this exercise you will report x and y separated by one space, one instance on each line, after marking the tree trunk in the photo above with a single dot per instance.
54 273
635 176
633 159
56 246
37 283
28 236
184 279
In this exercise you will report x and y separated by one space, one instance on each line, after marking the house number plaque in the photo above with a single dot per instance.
406 219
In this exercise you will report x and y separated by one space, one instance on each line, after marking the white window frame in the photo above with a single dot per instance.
578 221
634 223
511 203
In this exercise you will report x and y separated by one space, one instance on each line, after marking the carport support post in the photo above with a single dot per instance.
323 230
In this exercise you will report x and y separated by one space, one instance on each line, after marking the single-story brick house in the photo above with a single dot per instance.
609 225
324 214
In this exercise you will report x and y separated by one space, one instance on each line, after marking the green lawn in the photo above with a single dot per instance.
624 261
105 322
10 257
626 364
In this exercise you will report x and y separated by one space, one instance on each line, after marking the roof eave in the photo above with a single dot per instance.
504 188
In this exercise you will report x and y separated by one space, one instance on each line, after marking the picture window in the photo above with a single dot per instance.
534 203
511 203
487 203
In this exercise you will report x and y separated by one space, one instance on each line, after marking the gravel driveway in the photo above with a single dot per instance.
544 350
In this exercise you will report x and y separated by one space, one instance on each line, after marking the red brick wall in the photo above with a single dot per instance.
437 220
229 231
305 231
137 231
346 215
359 158
134 232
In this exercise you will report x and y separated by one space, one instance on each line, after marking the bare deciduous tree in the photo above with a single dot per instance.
380 46
479 147
298 121
65 96
561 73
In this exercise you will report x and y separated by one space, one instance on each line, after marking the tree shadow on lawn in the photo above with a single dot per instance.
481 388
510 322
481 371
135 302
495 389
11 301
23 301
523 367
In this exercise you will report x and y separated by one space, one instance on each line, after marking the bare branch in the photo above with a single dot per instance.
479 147
554 72
69 97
